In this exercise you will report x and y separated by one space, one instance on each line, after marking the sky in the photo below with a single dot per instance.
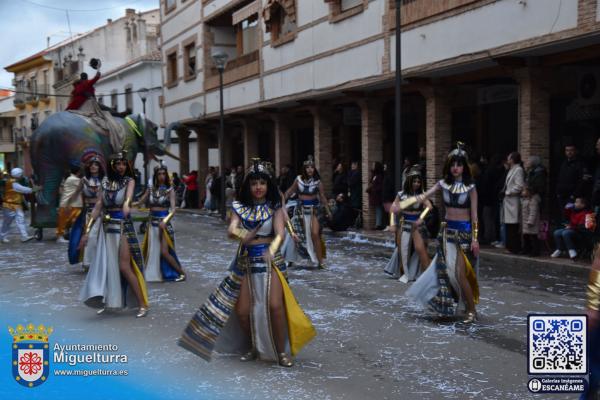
26 24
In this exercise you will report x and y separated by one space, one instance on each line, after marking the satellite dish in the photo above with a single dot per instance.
196 110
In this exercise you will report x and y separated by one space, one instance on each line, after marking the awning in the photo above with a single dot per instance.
245 12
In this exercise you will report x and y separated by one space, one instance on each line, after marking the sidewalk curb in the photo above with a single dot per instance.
487 254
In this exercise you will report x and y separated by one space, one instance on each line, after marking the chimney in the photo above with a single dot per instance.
130 12
142 36
109 21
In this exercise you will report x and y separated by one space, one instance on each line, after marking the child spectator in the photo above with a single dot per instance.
566 237
530 215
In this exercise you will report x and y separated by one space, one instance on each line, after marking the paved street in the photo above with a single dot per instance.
371 343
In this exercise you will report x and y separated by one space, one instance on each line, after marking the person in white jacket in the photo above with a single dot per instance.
12 206
511 205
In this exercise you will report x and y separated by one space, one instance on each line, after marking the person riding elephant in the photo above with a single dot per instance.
65 138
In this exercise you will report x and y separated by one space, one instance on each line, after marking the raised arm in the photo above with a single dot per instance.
422 197
143 198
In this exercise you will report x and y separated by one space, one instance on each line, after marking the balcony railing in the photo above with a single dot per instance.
19 99
417 10
44 91
237 69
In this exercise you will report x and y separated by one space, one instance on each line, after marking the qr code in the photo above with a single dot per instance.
557 344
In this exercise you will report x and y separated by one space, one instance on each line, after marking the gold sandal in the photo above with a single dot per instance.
470 318
249 356
285 360
142 312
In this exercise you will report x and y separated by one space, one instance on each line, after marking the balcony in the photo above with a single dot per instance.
32 98
19 100
418 10
237 69
44 92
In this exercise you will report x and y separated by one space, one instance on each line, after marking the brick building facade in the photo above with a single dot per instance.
317 77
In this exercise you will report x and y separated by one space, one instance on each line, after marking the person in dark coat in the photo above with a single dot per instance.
343 214
286 178
340 181
375 191
569 183
355 186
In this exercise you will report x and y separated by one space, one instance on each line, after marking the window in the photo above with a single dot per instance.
190 60
346 5
128 99
45 89
247 36
170 5
101 100
113 100
280 20
342 9
172 75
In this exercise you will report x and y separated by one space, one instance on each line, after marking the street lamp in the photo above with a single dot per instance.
220 60
143 93
398 111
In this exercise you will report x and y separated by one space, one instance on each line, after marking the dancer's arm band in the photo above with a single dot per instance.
424 213
240 233
274 246
168 217
475 230
593 291
404 204
289 227
127 202
392 219
88 226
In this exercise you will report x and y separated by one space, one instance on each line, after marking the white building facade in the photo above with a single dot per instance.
317 77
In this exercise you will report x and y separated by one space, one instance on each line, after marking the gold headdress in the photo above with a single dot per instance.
161 165
459 151
414 171
310 161
260 167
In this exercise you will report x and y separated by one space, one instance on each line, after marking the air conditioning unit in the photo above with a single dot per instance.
588 87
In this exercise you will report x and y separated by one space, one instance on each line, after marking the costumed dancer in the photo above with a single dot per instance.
410 256
70 204
451 277
12 206
158 246
593 337
88 188
308 217
253 311
118 251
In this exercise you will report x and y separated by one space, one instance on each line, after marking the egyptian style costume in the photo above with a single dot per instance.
104 287
215 325
302 221
404 263
438 287
593 338
158 268
89 189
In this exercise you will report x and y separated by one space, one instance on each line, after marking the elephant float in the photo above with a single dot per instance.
66 139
